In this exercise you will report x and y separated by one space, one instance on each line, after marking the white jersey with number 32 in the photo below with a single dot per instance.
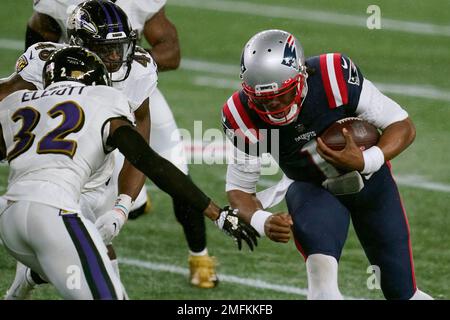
56 139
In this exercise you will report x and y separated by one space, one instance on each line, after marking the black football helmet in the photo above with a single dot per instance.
75 63
104 28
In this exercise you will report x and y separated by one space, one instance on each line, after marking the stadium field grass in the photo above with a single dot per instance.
384 56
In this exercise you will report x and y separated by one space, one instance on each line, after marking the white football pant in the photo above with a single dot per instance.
65 249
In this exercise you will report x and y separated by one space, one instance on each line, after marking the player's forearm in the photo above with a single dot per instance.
166 55
163 173
396 138
131 180
247 203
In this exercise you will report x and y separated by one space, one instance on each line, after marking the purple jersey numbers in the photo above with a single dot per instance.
53 141
24 138
73 121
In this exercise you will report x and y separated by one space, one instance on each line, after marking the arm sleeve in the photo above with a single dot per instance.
243 172
163 173
377 108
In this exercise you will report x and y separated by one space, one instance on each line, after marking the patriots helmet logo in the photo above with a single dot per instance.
290 58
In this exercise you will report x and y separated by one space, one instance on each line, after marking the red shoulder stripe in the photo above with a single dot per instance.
340 78
326 81
229 116
244 115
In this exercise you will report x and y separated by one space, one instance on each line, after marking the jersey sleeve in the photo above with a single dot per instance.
239 127
30 64
143 79
112 104
377 108
342 80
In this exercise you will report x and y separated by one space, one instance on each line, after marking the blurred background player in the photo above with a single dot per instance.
149 19
298 100
46 161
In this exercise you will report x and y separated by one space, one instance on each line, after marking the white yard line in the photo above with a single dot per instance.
419 91
412 181
427 92
248 282
304 14
408 180
419 182
11 44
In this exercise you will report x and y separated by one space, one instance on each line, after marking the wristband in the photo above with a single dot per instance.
258 220
373 160
123 203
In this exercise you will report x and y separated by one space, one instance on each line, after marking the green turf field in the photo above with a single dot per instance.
153 249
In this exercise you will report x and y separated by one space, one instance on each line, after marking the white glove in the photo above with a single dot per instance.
109 224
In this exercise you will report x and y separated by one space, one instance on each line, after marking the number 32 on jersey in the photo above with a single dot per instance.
54 141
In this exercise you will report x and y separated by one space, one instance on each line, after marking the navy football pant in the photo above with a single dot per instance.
321 222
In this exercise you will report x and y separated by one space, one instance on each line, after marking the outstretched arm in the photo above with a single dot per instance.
241 183
174 182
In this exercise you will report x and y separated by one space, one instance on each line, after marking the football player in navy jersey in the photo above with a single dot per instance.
284 105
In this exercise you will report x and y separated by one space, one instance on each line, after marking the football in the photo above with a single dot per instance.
364 134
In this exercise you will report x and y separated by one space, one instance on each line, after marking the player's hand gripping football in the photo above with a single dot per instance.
236 228
350 158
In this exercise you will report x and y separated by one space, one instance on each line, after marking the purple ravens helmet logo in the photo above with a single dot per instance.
82 20
290 53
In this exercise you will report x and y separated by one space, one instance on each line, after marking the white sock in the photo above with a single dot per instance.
322 278
29 278
420 295
204 252
115 264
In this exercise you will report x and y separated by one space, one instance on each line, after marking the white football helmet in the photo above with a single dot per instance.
273 74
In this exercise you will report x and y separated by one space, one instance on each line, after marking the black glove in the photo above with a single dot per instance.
233 226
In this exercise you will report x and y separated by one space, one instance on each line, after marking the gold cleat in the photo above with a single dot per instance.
144 209
203 271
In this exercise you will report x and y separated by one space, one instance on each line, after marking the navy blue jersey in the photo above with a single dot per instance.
334 87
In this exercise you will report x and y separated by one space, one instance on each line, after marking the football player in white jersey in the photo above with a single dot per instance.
140 81
48 23
138 75
54 139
